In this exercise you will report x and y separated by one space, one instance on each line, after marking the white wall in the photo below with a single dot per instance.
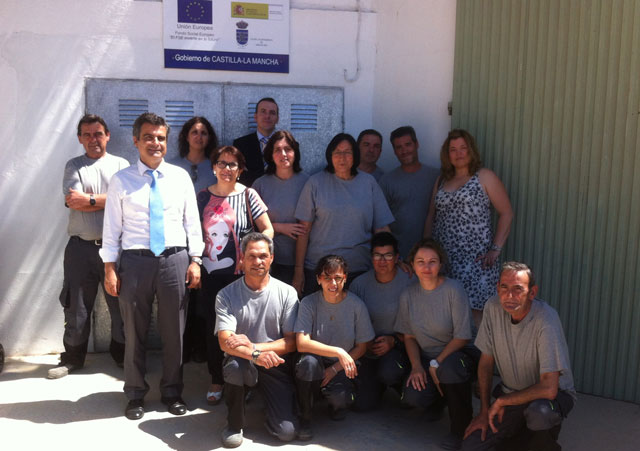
48 49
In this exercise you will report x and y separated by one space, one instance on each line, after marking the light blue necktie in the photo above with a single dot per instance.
156 216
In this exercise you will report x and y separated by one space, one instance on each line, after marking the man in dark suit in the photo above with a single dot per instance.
252 145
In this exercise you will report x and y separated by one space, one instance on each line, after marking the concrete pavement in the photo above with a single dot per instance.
85 411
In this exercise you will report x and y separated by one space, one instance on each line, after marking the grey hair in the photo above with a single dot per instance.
255 237
518 267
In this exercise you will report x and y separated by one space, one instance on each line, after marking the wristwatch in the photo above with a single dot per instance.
92 200
197 260
255 354
434 364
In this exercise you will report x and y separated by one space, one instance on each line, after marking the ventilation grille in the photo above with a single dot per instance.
130 109
304 117
178 111
251 122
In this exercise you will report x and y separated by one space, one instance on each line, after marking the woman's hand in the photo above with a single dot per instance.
418 378
347 363
291 229
433 372
489 258
298 281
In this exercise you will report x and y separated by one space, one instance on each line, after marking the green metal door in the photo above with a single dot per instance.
550 89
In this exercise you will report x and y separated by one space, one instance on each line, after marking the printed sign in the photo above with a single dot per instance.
227 35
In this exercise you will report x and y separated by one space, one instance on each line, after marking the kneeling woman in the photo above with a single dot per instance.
332 331
435 318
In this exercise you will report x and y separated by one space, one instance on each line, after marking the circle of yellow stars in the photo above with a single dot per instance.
196 5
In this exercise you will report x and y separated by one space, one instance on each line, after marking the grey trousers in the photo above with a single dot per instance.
83 275
142 278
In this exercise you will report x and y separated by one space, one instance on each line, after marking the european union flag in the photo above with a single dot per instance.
195 11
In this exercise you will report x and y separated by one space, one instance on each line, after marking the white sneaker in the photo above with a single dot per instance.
231 438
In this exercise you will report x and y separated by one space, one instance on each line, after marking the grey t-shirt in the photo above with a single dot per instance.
434 317
381 299
263 316
523 351
344 214
343 325
409 196
204 171
89 176
281 197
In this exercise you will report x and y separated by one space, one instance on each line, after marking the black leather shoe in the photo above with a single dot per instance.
176 405
135 409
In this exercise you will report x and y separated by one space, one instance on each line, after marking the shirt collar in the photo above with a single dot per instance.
260 135
142 168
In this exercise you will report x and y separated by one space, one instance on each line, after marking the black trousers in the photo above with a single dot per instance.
455 374
339 392
83 274
534 426
211 284
277 388
376 374
143 278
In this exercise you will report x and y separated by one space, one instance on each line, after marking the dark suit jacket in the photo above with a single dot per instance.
249 145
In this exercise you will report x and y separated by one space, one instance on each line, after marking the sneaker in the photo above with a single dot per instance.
62 370
231 438
304 431
451 442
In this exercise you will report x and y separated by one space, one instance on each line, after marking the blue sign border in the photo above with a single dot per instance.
209 60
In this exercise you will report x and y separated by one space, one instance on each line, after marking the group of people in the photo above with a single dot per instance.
336 285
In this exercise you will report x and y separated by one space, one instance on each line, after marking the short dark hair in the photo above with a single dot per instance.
268 151
403 131
230 150
332 146
267 99
183 137
255 237
92 119
149 118
329 264
430 243
366 132
381 239
517 267
447 170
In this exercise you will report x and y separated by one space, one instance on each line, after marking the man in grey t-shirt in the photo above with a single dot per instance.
370 144
408 189
523 336
85 183
255 316
386 360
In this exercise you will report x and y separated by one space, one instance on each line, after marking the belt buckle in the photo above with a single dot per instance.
97 242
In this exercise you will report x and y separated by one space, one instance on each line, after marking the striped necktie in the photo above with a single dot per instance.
156 216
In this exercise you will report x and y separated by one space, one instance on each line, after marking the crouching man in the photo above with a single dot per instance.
255 319
523 336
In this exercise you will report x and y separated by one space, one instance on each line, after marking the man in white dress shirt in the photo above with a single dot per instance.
151 220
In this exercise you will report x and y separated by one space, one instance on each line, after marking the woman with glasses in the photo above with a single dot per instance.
196 141
280 189
435 319
332 332
341 208
228 211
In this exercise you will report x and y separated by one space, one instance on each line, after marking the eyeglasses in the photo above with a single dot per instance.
342 154
386 257
227 164
336 279
194 172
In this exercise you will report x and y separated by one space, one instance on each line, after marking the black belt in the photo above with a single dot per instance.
147 253
94 242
